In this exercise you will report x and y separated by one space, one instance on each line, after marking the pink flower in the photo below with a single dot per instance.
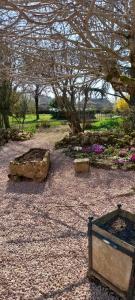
121 161
123 152
132 158
86 149
132 149
97 148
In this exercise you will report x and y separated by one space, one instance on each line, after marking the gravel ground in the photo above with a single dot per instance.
43 242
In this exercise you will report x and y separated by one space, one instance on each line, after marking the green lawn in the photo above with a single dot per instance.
109 123
31 124
30 118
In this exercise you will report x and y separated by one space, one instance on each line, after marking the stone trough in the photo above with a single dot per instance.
33 164
111 243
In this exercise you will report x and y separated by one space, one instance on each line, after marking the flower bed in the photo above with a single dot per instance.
96 137
108 157
106 149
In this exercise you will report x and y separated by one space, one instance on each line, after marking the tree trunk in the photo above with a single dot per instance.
73 115
37 92
6 120
74 122
86 92
132 87
131 116
36 106
1 121
69 109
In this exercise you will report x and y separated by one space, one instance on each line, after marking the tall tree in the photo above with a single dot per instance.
5 100
37 92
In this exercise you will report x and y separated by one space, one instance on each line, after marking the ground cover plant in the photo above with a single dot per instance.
107 149
105 156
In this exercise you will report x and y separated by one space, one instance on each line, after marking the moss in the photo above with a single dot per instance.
127 80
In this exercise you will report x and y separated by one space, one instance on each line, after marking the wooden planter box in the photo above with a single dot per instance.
111 244
33 164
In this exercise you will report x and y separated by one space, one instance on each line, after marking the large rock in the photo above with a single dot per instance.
16 135
103 163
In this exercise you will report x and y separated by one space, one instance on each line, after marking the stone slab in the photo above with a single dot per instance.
82 165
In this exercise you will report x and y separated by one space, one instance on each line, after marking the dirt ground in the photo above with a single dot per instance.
43 226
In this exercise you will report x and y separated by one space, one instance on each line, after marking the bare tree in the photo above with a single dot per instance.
65 95
37 91
100 35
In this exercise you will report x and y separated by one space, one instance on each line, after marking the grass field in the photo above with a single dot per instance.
31 124
107 123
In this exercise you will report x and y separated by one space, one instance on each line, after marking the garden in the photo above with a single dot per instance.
43 244
46 207
67 150
105 149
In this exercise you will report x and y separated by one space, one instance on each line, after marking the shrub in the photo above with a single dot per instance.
45 124
122 106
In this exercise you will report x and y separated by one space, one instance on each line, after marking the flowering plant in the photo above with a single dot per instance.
132 149
77 148
86 149
132 158
120 160
96 148
123 152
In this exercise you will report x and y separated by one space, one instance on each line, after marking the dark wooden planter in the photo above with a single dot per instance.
112 251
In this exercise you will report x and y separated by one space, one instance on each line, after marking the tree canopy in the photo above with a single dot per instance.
46 42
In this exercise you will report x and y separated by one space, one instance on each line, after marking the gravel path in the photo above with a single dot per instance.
43 243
